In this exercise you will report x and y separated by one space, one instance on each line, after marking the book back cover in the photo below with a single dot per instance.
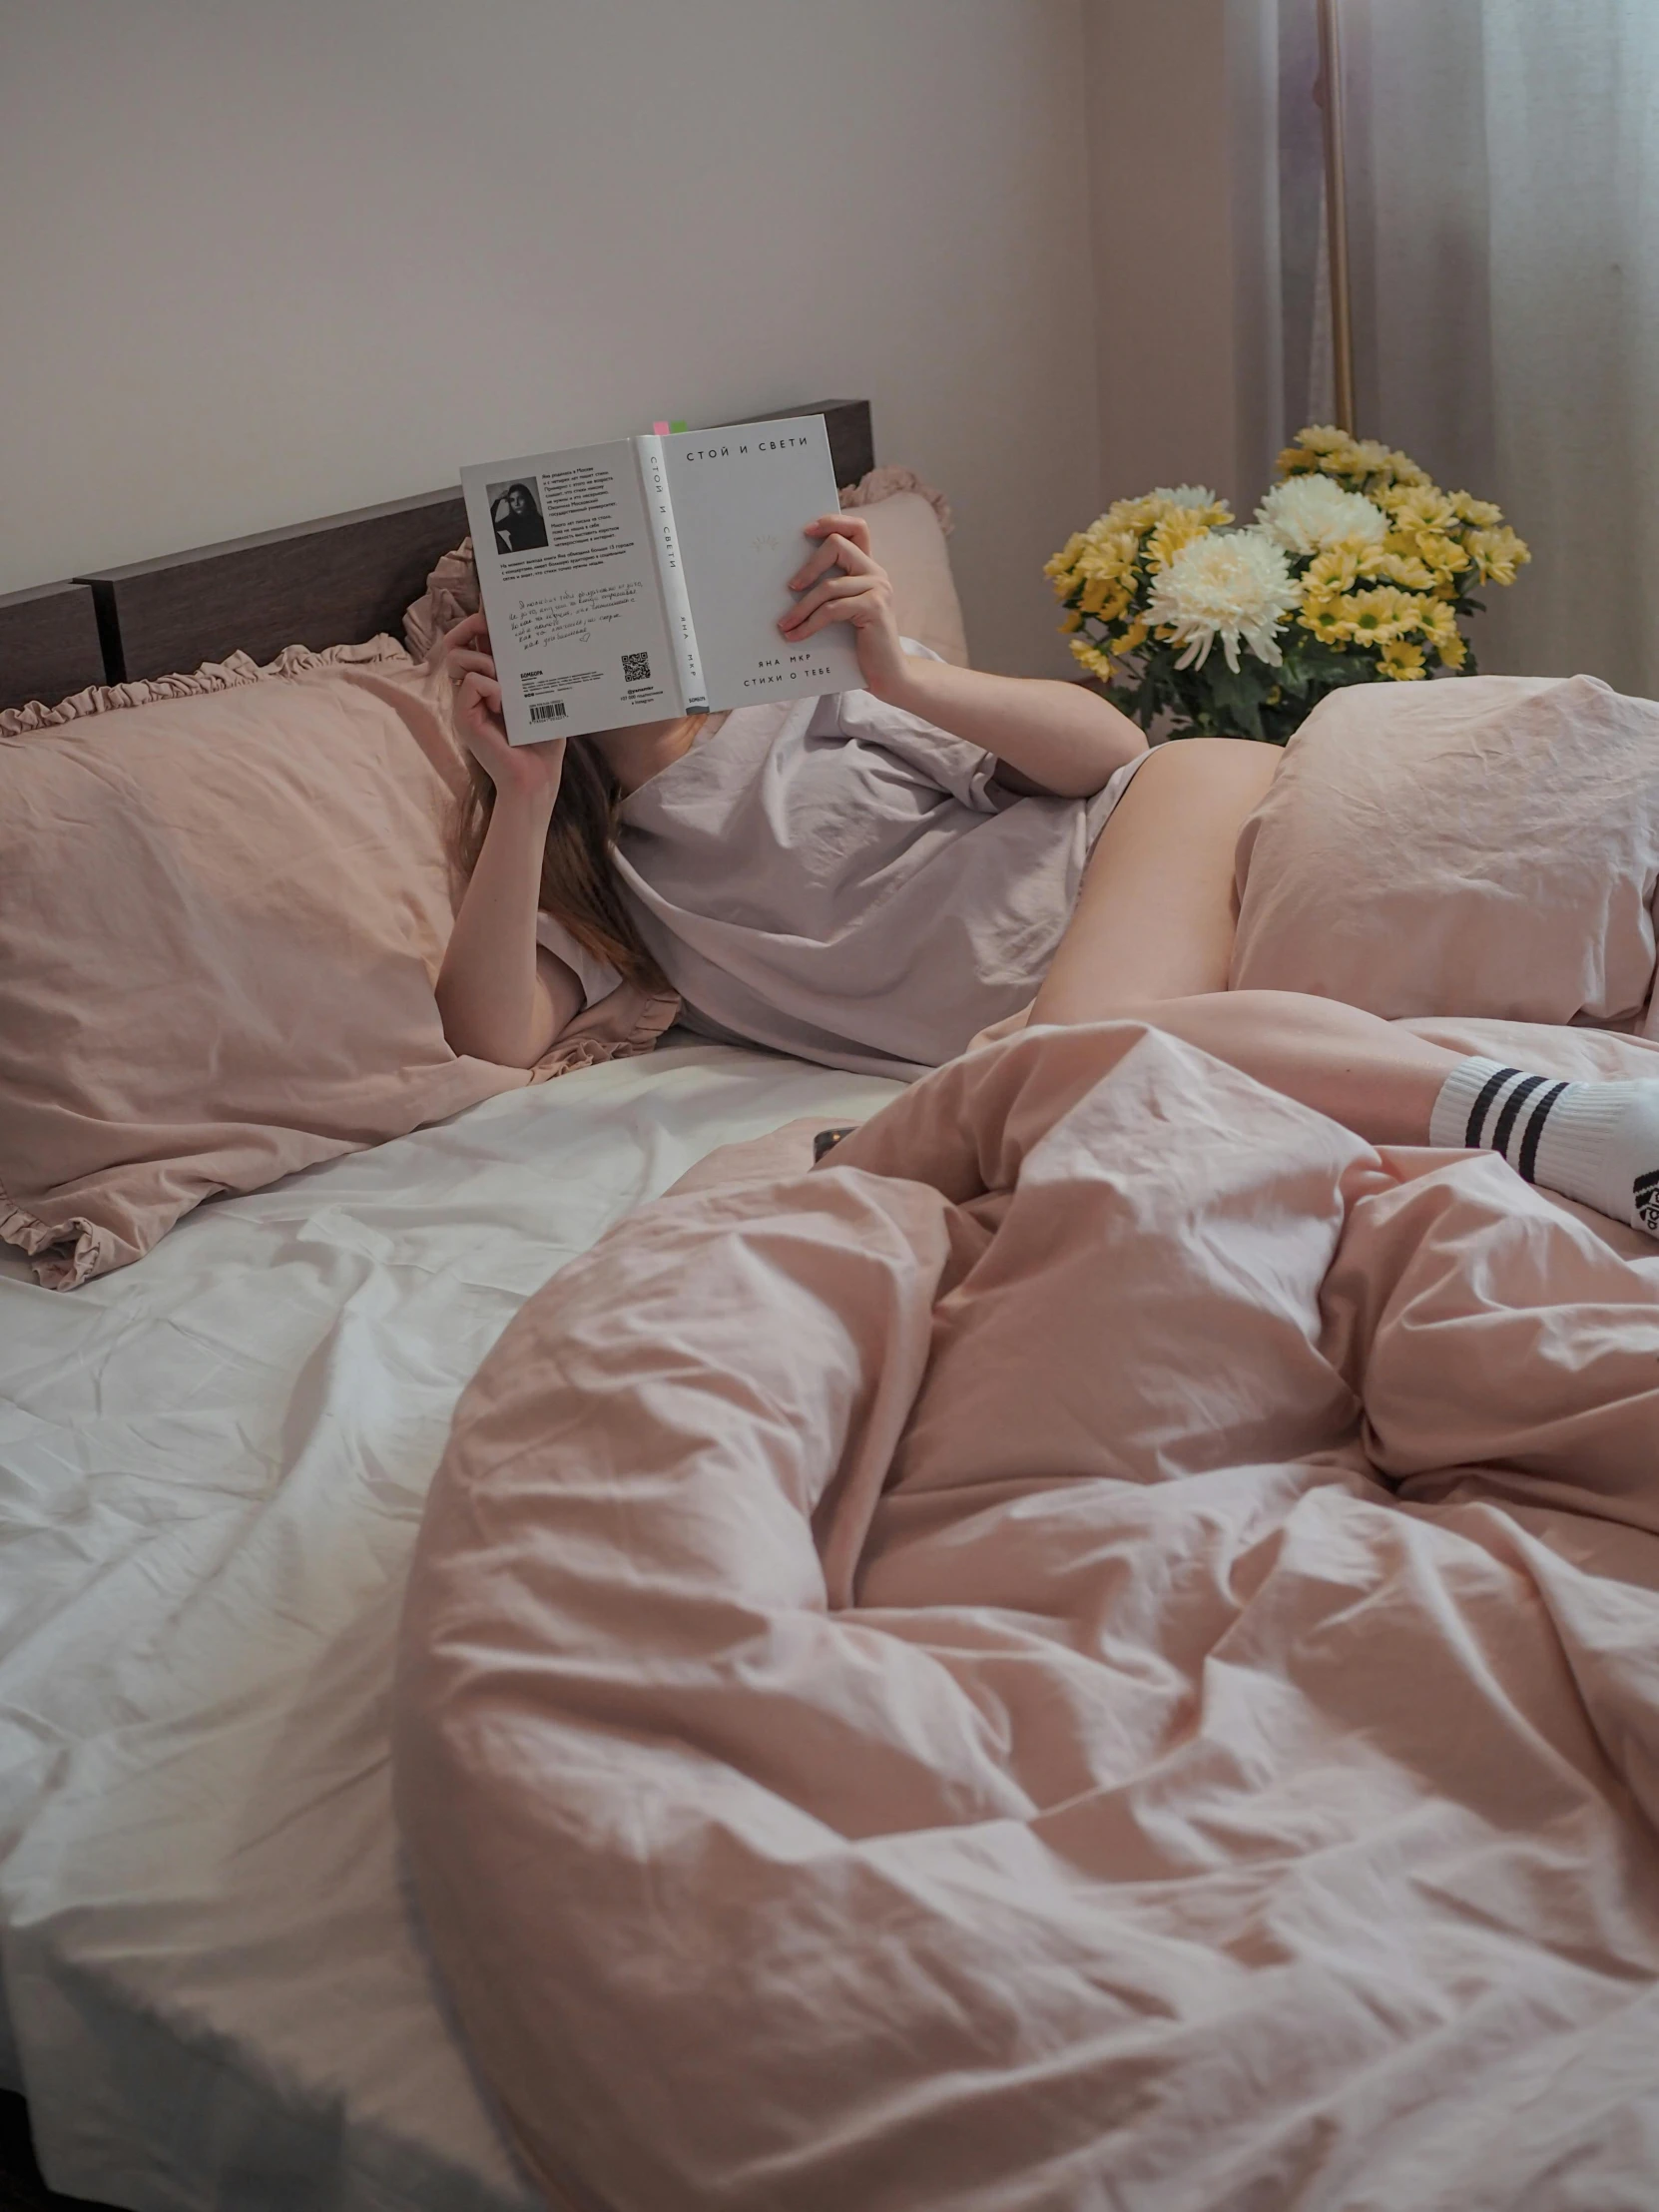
569 582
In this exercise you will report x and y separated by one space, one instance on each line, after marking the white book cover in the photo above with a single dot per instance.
642 579
742 498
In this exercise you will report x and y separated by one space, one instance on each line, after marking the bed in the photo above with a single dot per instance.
1165 1718
213 1469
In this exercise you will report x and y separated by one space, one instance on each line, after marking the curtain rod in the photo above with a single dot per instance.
1335 212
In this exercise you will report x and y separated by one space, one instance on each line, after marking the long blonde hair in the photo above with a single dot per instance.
579 886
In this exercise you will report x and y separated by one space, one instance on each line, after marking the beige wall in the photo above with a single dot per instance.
1181 132
265 260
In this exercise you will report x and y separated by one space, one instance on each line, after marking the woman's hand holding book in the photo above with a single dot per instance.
529 773
842 581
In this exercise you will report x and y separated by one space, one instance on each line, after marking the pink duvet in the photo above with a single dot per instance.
1102 1651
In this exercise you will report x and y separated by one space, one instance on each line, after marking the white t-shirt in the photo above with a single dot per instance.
597 977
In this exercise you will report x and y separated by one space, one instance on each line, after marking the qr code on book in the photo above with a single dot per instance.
549 710
636 667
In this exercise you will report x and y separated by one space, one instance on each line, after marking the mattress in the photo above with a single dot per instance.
212 1466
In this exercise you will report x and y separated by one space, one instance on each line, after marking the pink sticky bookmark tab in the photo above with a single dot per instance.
659 429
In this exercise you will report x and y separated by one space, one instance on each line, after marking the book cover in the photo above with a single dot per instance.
645 578
742 498
569 580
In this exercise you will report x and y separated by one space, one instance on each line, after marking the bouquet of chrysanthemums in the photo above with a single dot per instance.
1355 568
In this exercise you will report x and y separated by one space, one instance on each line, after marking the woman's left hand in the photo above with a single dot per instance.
861 594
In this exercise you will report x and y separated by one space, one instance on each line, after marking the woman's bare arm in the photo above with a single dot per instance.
1053 738
503 996
1060 738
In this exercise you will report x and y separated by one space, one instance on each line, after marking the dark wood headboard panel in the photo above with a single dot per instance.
851 436
48 644
332 582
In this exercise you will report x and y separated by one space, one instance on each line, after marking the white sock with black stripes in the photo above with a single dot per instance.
1596 1142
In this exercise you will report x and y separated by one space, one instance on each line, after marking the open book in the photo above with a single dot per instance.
645 578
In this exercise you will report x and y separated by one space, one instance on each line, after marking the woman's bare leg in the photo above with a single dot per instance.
1151 938
1155 910
1366 1073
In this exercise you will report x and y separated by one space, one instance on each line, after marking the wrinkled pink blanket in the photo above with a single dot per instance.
1136 1690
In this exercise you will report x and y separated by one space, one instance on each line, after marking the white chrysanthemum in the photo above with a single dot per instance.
1235 585
1307 514
1187 495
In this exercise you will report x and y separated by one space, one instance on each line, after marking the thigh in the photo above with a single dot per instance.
1155 910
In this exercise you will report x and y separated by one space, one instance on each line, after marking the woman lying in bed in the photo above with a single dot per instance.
870 879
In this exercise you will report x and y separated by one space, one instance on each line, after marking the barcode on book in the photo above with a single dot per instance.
550 710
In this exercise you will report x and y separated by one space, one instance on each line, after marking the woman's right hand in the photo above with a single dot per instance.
525 772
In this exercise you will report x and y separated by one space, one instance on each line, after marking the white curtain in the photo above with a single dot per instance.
1504 181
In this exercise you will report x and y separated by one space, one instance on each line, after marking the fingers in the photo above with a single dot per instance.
840 549
816 564
459 663
852 527
478 703
855 598
469 628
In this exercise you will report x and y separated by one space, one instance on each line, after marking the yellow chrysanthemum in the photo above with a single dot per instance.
1133 638
1381 612
1197 502
1408 570
1109 553
1096 592
1443 557
1401 662
1072 620
1496 554
1417 509
1178 528
1480 513
1337 569
1364 464
1383 465
1406 471
1093 659
1062 563
1324 618
1371 457
1451 649
1323 438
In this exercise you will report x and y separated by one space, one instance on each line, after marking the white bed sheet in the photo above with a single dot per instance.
211 1470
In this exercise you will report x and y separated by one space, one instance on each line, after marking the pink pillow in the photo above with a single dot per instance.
221 914
1487 846
909 524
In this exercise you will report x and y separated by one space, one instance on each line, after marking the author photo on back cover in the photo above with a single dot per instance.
515 512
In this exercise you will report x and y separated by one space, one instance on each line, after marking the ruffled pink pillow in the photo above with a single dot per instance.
224 900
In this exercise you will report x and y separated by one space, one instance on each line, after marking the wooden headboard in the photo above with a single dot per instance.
49 644
332 582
